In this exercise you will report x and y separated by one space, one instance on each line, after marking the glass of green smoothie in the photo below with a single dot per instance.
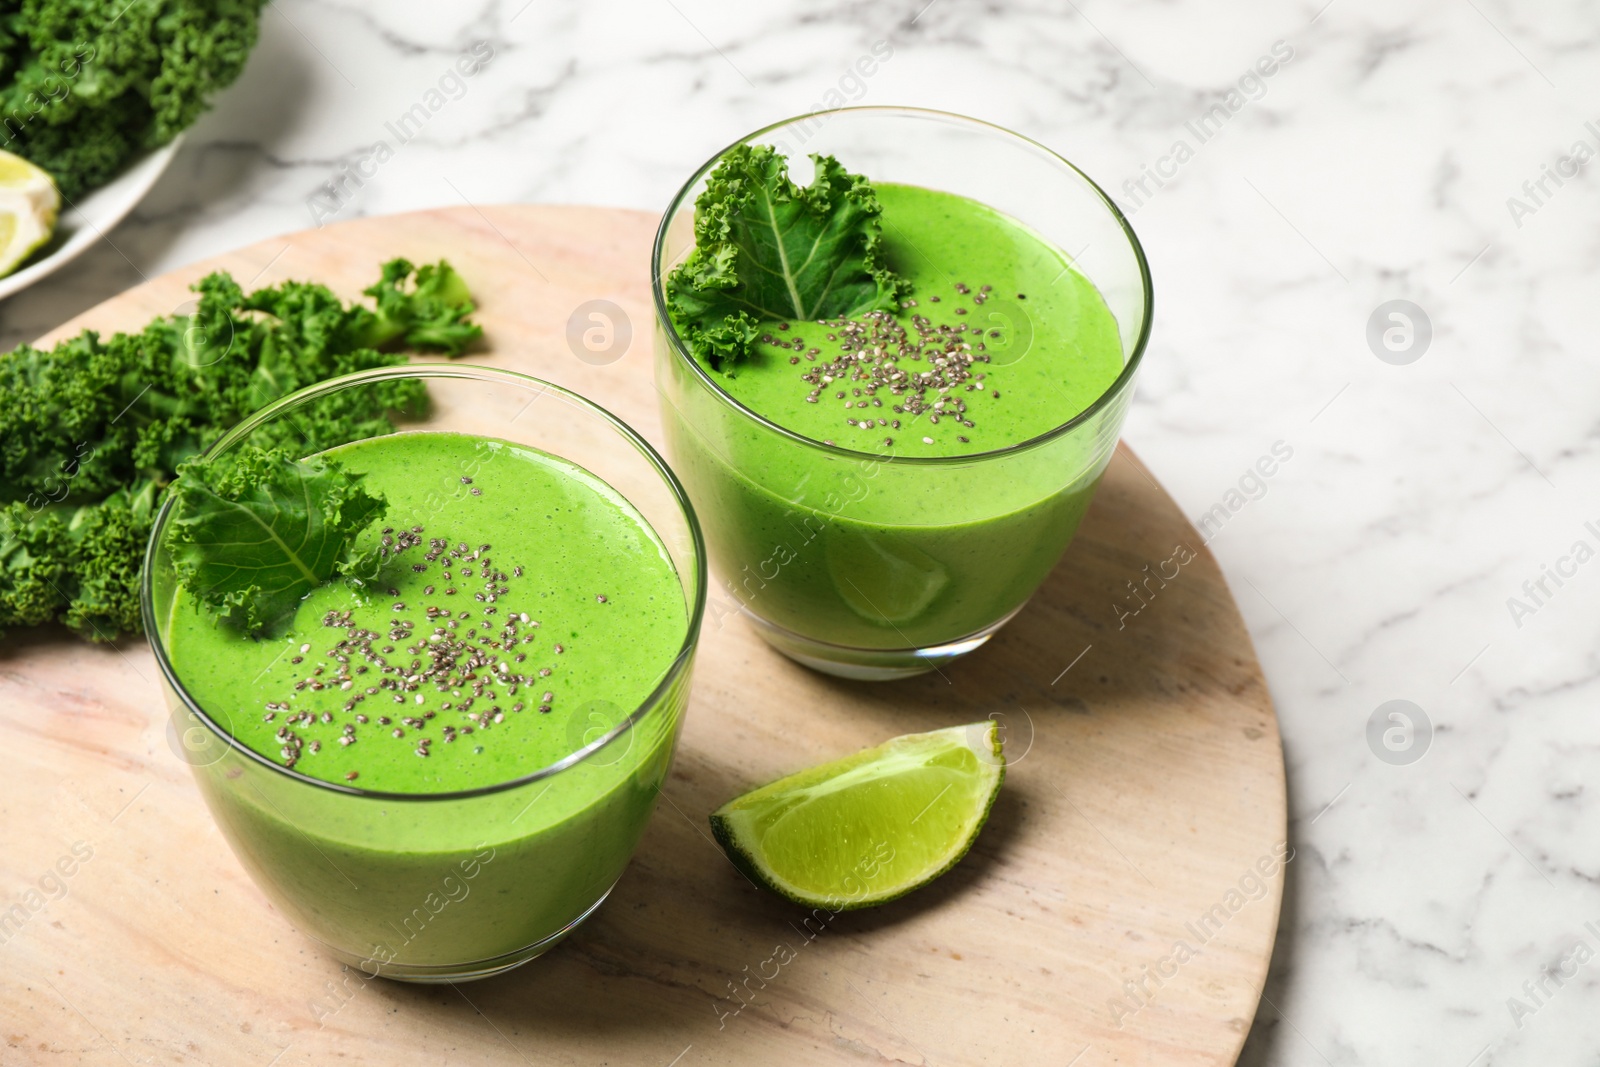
440 767
894 350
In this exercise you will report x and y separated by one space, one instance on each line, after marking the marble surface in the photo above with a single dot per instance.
1436 909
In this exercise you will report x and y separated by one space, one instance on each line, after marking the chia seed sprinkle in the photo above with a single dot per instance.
877 353
482 657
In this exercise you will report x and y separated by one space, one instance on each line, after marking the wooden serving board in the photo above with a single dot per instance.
1145 791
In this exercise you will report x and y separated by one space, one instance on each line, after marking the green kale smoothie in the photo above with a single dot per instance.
1045 345
999 342
524 610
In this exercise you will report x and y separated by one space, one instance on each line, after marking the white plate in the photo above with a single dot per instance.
93 217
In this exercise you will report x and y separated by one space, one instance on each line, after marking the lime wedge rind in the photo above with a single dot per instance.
869 828
29 205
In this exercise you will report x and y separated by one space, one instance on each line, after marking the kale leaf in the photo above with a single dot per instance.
94 414
430 314
76 563
87 85
93 429
766 248
253 531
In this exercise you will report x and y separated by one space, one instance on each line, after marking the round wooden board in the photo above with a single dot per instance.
1146 789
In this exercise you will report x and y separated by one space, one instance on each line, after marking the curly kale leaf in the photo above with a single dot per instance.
430 314
93 429
93 414
86 85
766 248
78 564
254 531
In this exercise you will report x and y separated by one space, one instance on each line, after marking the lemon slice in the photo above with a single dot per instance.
29 204
871 827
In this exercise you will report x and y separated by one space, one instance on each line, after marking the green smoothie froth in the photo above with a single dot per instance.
523 608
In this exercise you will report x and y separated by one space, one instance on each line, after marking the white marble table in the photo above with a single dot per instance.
1398 554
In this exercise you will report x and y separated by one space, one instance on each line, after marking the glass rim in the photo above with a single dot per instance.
251 422
1117 387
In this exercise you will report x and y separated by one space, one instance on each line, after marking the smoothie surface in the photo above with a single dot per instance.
1046 344
525 608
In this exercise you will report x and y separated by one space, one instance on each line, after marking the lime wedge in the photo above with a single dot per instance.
884 581
871 827
29 203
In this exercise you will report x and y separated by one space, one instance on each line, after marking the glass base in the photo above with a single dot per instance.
870 664
465 972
